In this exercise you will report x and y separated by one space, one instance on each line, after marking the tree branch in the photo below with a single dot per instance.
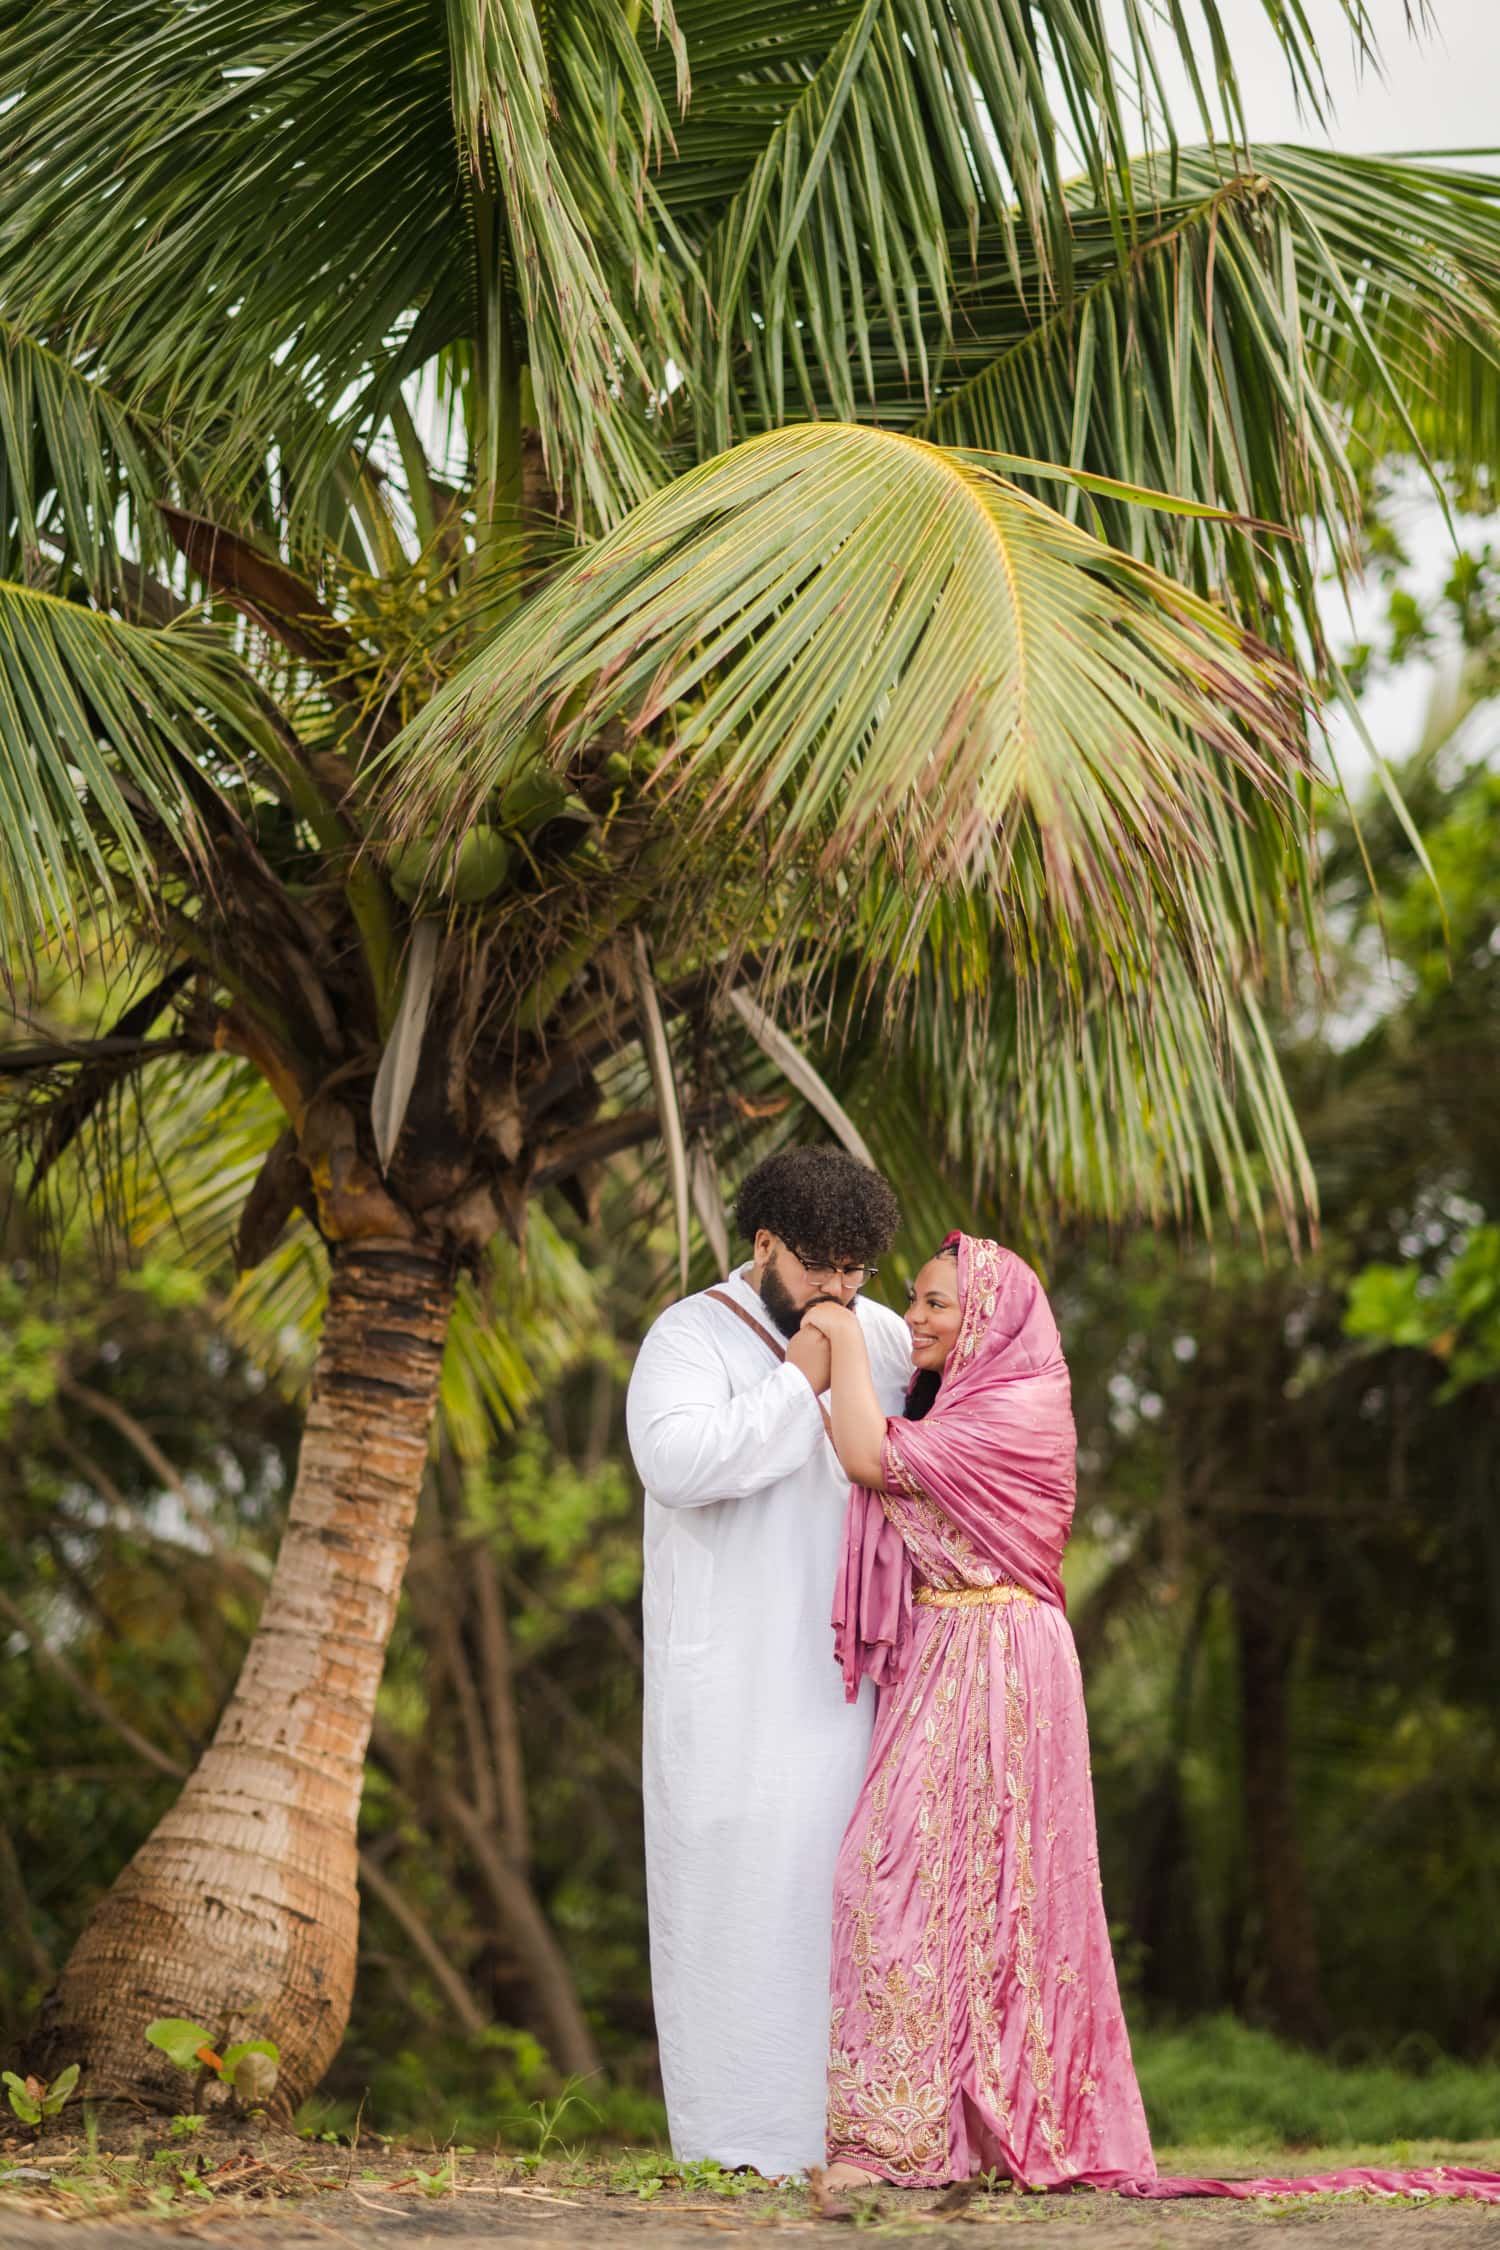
608 1136
560 2019
146 1448
455 1991
79 1687
18 1062
262 588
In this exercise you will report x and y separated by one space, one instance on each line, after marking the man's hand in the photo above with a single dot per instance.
826 1316
811 1354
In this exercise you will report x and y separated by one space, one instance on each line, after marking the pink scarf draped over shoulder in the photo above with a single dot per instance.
985 1481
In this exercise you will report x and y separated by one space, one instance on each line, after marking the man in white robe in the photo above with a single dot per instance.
752 1759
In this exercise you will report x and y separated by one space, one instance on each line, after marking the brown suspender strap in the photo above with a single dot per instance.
777 1351
719 1298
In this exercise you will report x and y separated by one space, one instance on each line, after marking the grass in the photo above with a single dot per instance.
1218 2084
340 2185
1223 2101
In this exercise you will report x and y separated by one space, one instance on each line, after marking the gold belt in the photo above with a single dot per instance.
966 1597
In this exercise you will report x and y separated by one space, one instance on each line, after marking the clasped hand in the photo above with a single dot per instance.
811 1349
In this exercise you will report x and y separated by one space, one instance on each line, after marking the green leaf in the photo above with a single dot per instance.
59 2090
73 461
22 2100
178 2039
290 198
558 116
899 133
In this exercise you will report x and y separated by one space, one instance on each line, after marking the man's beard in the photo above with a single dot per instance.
777 1301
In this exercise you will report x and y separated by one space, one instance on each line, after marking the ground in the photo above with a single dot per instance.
139 2186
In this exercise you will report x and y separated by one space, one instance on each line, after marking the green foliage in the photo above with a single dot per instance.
33 2100
1309 1442
1453 1314
647 2174
30 1348
574 1521
496 2090
1219 2082
803 219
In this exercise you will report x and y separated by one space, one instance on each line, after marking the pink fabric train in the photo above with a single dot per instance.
976 2022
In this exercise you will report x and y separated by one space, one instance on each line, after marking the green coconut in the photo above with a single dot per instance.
475 872
534 797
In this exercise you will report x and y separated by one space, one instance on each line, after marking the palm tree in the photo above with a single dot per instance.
528 601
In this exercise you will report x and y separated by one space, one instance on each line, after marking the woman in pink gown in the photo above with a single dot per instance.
976 2021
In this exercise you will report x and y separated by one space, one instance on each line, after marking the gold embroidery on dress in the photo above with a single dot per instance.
982 1933
944 1533
980 1296
970 1597
1038 2054
897 2117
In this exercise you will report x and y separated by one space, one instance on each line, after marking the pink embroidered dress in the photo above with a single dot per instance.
976 2018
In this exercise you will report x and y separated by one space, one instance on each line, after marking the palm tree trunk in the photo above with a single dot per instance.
240 1911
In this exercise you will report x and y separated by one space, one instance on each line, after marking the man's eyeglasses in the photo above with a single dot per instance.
856 1276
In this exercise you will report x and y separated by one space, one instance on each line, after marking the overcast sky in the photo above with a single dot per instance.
1441 90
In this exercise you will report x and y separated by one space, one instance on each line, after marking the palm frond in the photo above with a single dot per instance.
658 1054
1120 1104
73 464
515 1325
577 218
107 730
172 1176
285 238
914 667
1399 287
800 1073
1183 370
1278 317
902 130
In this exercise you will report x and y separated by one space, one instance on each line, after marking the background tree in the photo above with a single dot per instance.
452 863
1289 1478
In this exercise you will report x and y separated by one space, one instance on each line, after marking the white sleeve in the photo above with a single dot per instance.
693 1439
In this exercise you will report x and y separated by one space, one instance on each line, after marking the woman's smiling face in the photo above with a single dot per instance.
934 1314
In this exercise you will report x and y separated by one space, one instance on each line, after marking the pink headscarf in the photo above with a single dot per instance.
995 1458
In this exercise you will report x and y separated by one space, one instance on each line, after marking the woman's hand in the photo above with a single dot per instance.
857 1415
810 1354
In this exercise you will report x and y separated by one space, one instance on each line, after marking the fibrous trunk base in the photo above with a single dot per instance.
240 1910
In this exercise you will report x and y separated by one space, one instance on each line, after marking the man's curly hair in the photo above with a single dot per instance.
824 1204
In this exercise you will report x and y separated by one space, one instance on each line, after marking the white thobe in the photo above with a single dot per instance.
752 1759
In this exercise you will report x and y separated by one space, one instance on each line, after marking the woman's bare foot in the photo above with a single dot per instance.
841 2176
